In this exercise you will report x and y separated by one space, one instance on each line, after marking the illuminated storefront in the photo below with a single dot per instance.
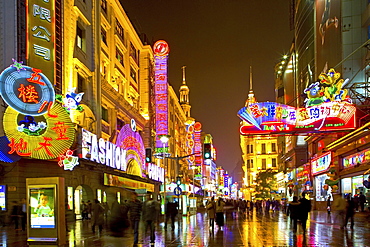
319 167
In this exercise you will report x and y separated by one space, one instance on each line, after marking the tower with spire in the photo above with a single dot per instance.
251 99
184 95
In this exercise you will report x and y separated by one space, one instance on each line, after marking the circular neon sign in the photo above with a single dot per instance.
161 48
27 91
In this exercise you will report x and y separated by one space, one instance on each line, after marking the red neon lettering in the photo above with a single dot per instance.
35 77
17 147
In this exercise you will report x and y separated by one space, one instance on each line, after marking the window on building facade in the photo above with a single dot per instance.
104 6
273 161
80 38
251 148
119 56
120 31
104 114
81 84
103 35
247 148
120 124
133 52
273 147
248 164
133 74
263 164
263 148
251 163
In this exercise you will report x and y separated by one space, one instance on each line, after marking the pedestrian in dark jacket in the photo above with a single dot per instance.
15 214
150 215
305 208
362 201
135 207
171 212
118 219
350 211
293 212
97 216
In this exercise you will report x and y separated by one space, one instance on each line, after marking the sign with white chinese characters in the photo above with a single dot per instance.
41 35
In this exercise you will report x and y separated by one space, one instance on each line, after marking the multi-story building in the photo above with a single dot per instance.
328 34
259 152
101 74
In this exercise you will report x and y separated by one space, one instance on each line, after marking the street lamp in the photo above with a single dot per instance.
164 139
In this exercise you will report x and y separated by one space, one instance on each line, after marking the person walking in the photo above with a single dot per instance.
305 208
328 203
23 214
171 212
211 211
350 211
84 212
97 217
135 207
339 206
362 201
220 221
293 212
15 214
150 215
118 219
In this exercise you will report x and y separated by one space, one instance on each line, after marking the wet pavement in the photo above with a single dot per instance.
272 229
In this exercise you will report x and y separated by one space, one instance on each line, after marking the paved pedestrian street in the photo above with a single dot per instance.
272 229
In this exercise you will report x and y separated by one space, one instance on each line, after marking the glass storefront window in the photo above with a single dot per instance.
346 185
321 193
357 184
70 197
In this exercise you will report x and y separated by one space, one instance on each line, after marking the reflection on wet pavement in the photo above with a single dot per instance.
272 229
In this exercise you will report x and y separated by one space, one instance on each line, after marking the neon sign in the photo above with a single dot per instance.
356 159
328 108
161 51
321 163
198 143
132 142
103 152
41 35
53 139
27 90
190 143
68 161
155 172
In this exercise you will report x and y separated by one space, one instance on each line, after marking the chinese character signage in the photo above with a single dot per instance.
41 35
328 108
321 163
190 144
35 125
161 51
198 143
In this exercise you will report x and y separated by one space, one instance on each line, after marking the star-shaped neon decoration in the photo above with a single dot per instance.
17 65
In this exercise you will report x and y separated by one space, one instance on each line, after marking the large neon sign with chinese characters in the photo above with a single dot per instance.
327 109
161 51
35 126
41 35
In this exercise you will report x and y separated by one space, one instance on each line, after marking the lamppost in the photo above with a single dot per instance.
164 139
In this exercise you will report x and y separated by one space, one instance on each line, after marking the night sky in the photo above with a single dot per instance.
217 41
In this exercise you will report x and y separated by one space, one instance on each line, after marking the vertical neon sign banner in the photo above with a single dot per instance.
161 51
41 36
198 143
